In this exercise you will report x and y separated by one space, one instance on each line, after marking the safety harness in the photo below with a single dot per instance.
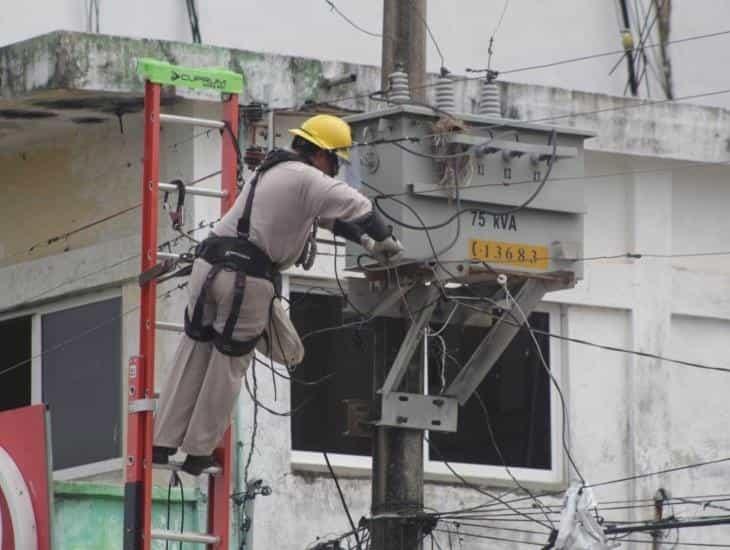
245 258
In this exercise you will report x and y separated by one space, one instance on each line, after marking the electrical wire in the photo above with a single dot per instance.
72 231
479 489
342 498
350 21
607 347
605 54
29 301
367 95
545 365
255 423
459 212
497 448
86 332
684 543
194 23
660 472
487 537
428 30
505 184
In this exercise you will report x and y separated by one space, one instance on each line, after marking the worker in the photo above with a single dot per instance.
233 306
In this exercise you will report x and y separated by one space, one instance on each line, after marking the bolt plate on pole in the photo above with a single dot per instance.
419 412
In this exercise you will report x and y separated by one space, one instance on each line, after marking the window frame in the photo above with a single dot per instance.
36 371
435 470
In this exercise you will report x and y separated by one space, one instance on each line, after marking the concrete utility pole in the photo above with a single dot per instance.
397 479
404 43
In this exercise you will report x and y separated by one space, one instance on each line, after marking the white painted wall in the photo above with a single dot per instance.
531 33
627 414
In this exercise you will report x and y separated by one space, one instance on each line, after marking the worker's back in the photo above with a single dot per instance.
289 196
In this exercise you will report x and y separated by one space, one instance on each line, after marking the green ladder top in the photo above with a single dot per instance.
161 72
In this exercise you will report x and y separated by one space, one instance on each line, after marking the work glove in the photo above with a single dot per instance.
389 250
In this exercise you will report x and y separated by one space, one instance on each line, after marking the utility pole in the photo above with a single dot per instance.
633 84
404 43
397 476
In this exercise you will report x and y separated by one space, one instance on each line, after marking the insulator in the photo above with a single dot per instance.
445 94
489 102
399 91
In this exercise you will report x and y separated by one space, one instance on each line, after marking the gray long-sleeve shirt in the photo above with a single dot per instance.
289 196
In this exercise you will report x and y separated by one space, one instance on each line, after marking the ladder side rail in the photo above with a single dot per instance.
219 502
138 487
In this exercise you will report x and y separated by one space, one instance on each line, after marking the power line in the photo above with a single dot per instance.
342 498
660 472
430 33
28 301
350 21
479 489
607 347
86 332
486 537
609 53
367 95
440 189
126 164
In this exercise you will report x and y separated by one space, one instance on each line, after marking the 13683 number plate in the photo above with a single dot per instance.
523 255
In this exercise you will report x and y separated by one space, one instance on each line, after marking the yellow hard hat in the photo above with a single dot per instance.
327 132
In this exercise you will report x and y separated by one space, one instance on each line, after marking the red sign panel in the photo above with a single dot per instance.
24 464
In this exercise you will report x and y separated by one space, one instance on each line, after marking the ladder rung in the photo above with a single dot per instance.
205 122
176 465
167 256
202 191
176 536
172 327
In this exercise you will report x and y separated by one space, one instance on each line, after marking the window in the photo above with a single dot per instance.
15 383
76 369
516 392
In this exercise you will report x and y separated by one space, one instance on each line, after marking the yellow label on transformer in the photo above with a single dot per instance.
528 256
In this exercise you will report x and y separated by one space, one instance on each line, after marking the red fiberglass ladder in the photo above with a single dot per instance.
138 532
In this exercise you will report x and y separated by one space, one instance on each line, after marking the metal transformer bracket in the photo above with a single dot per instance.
495 342
419 412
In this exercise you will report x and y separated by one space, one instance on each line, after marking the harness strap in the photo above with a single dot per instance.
275 157
224 342
239 289
194 327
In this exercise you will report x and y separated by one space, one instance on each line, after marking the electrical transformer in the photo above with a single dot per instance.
470 196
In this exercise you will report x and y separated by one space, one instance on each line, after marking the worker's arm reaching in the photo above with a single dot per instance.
349 214
374 236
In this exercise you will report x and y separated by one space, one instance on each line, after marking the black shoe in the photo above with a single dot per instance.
195 464
161 455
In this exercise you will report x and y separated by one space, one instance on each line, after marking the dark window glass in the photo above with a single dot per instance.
15 362
82 382
516 391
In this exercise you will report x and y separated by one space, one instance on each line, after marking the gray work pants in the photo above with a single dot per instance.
201 390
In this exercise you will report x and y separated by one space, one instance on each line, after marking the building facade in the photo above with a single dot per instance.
70 132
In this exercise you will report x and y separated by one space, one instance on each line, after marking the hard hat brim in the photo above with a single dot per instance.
342 153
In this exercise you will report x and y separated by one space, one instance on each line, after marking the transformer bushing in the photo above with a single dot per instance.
445 94
399 91
489 101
